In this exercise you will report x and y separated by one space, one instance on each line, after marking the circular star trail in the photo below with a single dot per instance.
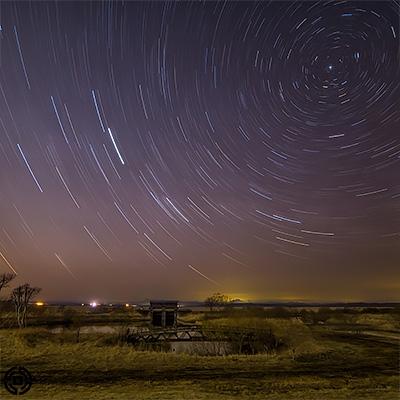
176 149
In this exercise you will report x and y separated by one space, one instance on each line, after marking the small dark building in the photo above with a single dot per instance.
164 313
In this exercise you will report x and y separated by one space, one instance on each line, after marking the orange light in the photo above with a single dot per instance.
126 305
39 303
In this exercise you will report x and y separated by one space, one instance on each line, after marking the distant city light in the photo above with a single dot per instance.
39 303
127 305
93 304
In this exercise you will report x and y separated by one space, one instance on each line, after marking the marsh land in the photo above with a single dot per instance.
319 354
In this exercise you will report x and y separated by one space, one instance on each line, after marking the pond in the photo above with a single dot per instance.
204 347
106 329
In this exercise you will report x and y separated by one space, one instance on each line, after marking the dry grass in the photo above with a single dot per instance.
96 369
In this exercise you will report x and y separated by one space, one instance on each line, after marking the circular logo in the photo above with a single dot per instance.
18 380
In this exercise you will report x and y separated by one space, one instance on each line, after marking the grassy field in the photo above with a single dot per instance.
318 362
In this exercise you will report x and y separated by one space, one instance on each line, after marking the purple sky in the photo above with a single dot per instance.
178 149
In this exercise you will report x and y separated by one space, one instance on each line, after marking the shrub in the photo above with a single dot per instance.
246 335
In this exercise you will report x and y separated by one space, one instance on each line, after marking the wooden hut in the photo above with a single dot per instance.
164 313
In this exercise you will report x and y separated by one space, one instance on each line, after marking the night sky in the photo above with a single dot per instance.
173 150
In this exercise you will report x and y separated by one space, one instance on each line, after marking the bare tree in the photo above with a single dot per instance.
5 279
216 300
21 296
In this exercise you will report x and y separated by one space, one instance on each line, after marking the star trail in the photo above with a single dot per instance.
175 149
